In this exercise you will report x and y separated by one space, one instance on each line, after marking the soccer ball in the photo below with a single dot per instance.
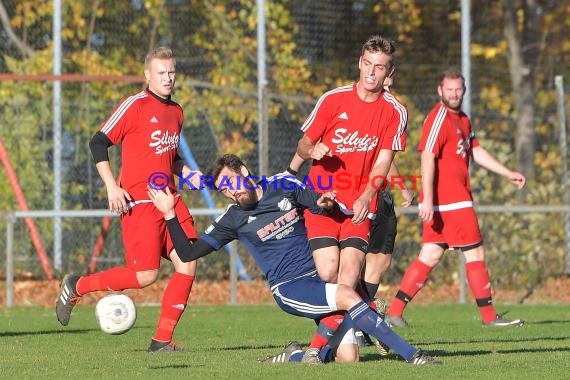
116 313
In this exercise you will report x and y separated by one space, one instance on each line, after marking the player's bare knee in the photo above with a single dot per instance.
147 278
328 271
347 358
347 353
328 276
430 254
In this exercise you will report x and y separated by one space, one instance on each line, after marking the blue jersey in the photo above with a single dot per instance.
274 231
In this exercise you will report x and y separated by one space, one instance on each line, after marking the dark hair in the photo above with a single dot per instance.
451 73
377 43
230 161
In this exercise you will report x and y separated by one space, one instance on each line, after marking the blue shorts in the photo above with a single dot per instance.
305 296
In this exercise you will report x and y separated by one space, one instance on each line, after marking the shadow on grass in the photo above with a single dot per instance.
373 357
175 366
255 347
62 331
494 340
549 322
45 332
446 354
442 354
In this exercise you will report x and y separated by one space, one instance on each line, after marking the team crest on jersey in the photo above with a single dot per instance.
163 142
351 142
280 227
284 204
463 147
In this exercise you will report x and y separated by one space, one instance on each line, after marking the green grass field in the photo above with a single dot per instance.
223 342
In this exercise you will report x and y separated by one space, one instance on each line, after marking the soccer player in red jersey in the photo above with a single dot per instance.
446 203
383 229
352 135
148 126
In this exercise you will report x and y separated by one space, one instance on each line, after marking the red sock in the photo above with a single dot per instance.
327 327
173 304
414 279
118 278
480 284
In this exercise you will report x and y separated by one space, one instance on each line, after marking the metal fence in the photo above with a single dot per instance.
18 262
21 258
216 49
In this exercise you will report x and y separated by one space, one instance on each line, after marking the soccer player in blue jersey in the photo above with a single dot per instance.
267 218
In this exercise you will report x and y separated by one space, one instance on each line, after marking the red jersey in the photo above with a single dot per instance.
448 135
355 131
148 127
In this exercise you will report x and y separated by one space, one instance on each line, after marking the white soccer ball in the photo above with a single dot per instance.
116 313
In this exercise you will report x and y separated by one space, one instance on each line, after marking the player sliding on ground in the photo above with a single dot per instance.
268 219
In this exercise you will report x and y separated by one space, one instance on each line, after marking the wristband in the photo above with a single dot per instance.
291 171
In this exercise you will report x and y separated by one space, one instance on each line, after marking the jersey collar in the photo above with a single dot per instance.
160 99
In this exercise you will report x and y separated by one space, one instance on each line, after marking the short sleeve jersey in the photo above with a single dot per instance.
275 226
148 129
355 131
448 135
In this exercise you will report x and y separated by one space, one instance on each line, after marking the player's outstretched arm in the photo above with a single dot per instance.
295 165
163 201
185 249
486 160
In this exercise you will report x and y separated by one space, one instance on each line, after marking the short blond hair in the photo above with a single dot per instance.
161 52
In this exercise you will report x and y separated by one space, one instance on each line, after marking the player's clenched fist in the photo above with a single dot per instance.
319 151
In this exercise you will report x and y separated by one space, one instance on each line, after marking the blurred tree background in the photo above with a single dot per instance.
518 46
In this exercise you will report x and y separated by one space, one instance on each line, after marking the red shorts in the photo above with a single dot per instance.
339 227
146 238
456 228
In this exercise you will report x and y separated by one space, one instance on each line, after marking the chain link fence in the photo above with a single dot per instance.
312 47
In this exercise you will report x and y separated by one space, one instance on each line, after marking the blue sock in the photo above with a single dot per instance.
296 356
370 322
326 354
